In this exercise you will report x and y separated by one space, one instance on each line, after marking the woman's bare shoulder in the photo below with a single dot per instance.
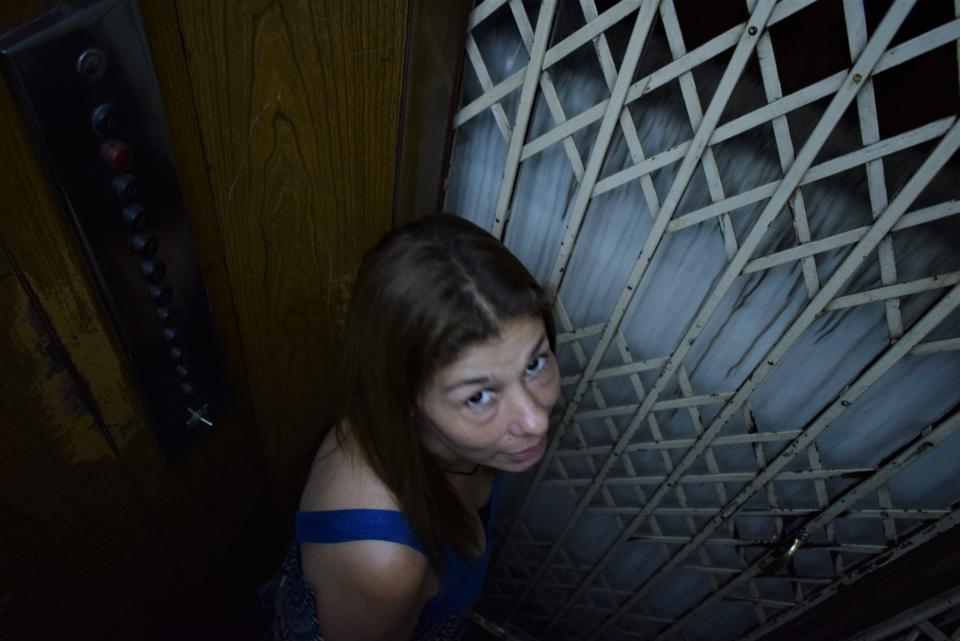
340 479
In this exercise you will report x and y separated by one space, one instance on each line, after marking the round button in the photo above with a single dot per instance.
104 120
116 156
134 217
171 336
92 63
153 270
177 355
145 244
188 388
160 294
182 371
125 187
167 316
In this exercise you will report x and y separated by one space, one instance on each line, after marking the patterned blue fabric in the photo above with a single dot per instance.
295 617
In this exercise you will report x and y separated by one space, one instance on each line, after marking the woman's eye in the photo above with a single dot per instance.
536 365
480 400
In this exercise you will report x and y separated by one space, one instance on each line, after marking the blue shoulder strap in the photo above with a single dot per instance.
338 526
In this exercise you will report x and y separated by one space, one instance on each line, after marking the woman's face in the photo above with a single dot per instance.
492 405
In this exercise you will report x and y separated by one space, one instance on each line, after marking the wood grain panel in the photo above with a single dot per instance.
437 37
126 534
298 105
71 516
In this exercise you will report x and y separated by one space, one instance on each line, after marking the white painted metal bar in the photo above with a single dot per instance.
667 73
598 152
856 21
556 53
934 162
825 169
895 56
920 515
716 477
486 83
627 126
547 88
895 291
630 368
831 116
483 11
524 111
684 443
671 404
585 332
944 34
857 573
688 89
914 616
918 217
785 153
927 439
933 347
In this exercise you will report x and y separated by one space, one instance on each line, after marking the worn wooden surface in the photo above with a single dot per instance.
298 109
95 535
284 119
438 31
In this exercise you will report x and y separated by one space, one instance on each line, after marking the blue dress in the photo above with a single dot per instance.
295 617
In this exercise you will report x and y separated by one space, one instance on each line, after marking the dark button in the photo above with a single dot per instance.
145 244
92 64
182 371
171 336
125 187
134 217
160 294
116 156
105 120
153 270
177 355
167 316
188 388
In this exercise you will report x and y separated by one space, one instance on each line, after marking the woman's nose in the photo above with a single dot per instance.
531 417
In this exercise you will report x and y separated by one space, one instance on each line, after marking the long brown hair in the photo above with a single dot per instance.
425 292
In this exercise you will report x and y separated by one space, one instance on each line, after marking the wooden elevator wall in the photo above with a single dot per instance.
286 120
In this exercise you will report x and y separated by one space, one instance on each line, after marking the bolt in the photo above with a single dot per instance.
752 31
857 77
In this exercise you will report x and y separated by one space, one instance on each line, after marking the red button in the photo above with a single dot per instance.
116 155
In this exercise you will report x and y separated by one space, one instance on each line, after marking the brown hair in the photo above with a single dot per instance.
425 292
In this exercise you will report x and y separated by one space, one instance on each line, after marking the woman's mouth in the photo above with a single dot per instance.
529 453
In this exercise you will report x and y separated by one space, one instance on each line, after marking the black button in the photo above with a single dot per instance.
182 371
177 355
160 294
153 270
188 388
145 244
134 217
171 336
105 120
168 316
125 187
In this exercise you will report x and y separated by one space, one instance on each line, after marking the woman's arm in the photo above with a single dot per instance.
367 590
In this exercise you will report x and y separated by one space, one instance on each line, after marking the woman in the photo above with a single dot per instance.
448 376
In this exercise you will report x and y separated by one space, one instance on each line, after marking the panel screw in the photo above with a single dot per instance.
752 31
92 64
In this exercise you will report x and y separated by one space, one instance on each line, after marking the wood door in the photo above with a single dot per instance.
285 119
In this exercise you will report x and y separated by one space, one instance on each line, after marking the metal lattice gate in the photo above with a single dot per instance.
748 213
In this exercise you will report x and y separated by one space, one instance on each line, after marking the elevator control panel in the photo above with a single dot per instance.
86 86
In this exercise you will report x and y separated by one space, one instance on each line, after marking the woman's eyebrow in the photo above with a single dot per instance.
485 380
537 347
